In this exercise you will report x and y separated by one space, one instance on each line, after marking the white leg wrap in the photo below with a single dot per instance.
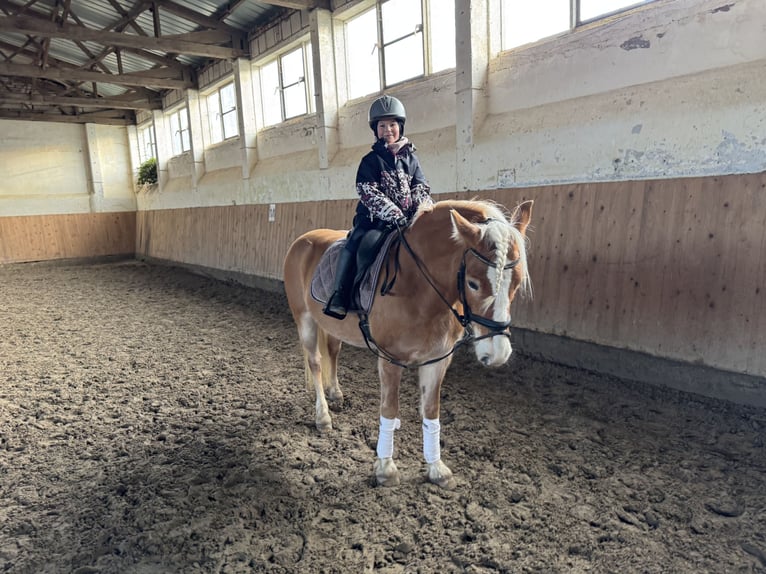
431 448
386 437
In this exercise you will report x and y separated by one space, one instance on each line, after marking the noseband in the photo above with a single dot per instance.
466 319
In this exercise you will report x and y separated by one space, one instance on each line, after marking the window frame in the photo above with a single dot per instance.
177 137
427 35
218 116
307 79
145 154
575 21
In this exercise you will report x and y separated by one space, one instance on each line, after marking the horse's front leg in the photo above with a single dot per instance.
431 377
390 375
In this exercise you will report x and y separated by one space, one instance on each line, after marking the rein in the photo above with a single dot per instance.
465 319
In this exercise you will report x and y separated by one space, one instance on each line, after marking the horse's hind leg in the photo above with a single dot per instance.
310 337
331 364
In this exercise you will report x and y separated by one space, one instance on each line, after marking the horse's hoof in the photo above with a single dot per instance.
324 425
335 402
440 475
386 472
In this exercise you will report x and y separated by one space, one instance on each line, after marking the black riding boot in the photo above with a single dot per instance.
344 275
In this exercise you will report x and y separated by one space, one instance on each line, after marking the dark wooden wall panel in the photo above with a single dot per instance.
76 235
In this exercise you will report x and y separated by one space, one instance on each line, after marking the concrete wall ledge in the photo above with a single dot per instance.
644 368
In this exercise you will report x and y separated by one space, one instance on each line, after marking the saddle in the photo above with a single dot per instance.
370 257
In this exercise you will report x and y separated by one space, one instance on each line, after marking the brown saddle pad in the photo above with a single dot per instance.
323 281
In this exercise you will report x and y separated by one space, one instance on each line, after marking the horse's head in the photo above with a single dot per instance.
493 270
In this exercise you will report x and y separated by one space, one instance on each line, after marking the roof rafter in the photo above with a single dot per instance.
38 27
157 81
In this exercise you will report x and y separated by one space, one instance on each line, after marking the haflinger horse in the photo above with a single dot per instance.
462 264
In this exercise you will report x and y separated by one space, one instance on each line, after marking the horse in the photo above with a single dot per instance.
458 268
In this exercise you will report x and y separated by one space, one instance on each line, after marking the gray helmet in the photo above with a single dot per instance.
387 107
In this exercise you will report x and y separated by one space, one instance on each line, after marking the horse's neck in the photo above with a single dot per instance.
431 240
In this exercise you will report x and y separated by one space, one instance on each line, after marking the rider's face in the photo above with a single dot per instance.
388 130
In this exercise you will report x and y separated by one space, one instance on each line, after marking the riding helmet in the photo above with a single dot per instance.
387 107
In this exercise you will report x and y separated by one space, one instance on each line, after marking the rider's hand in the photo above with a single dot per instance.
401 223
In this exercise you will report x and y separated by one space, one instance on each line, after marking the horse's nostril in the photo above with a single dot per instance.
485 360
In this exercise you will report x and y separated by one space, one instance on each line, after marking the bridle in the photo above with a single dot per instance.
466 319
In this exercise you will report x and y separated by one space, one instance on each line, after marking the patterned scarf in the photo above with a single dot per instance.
395 147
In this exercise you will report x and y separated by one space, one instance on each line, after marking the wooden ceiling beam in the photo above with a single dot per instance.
37 100
300 4
38 27
127 119
137 79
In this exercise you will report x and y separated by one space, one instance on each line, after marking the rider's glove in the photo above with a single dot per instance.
401 223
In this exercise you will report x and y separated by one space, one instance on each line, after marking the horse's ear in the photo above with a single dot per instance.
462 228
521 216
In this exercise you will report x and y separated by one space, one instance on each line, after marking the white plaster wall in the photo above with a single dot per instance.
675 89
707 124
223 156
114 165
44 169
48 168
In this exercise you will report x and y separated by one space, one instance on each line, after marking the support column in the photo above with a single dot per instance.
248 129
96 180
164 147
195 131
135 162
324 85
472 65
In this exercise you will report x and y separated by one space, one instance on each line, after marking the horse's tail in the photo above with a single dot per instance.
324 364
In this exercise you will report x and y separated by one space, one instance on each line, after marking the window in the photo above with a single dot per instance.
222 113
146 147
524 22
590 9
179 131
285 85
398 40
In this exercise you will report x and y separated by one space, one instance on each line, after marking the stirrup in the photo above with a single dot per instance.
334 308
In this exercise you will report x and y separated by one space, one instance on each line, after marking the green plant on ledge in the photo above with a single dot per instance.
147 172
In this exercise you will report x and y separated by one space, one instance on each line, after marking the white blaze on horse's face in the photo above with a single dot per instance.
492 300
489 287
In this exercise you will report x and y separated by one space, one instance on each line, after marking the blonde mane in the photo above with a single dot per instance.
499 232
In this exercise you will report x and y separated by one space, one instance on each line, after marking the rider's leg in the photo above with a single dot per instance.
345 272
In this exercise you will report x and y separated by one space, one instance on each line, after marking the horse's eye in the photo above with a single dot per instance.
473 285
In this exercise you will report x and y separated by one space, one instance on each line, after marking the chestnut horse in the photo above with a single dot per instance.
458 269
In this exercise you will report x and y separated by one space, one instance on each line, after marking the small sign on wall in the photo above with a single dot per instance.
272 212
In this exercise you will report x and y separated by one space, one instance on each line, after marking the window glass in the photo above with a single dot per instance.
272 104
442 30
362 55
400 18
294 88
592 8
146 146
175 132
214 115
185 135
525 22
402 62
229 111
402 40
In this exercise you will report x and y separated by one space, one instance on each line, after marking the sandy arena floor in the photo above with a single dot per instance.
154 421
